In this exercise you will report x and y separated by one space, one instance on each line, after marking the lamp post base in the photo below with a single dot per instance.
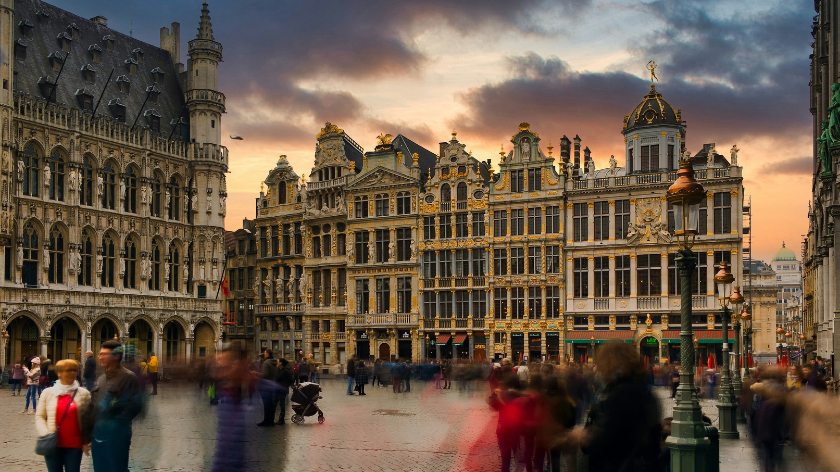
728 420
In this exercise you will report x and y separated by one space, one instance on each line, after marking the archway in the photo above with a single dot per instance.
65 340
22 342
649 350
203 345
385 352
141 337
173 342
102 331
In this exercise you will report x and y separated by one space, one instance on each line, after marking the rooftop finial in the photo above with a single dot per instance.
651 66
205 28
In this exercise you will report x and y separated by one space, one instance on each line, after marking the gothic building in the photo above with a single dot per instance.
112 197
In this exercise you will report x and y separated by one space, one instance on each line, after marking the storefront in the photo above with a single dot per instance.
534 347
552 346
585 342
709 346
517 347
404 345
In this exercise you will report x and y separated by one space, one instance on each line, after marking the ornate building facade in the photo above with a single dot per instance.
113 189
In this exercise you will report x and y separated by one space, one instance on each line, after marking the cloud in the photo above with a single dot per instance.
796 167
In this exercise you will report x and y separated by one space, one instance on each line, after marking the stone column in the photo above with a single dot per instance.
590 276
43 342
590 221
612 276
633 275
664 276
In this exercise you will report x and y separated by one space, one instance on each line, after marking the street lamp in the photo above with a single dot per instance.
780 332
747 317
592 341
726 406
787 341
687 439
737 301
801 348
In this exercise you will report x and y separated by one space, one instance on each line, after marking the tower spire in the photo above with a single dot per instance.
205 28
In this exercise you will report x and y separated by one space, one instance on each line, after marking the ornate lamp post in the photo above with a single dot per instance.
592 342
737 301
787 341
747 321
687 439
726 406
779 335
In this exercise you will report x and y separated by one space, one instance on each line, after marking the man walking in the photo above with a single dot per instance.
351 374
268 388
396 375
117 400
284 379
407 375
153 371
303 371
90 371
313 368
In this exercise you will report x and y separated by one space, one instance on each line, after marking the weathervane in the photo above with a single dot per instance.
651 66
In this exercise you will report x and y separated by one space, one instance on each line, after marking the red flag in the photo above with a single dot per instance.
225 288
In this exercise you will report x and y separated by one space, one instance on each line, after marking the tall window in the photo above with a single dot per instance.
462 304
156 190
461 226
429 264
500 304
461 192
281 193
517 302
517 222
622 276
361 207
156 258
703 224
109 186
534 260
553 302
479 262
517 180
130 276
362 239
534 302
552 219
86 185
445 264
602 221
445 231
174 199
581 276
286 239
622 218
649 275
581 222
534 220
553 260
56 163
342 287
403 244
362 296
500 261
403 203
109 255
428 227
517 260
445 299
404 295
650 158
31 170
478 224
174 268
534 180
698 279
445 194
429 304
85 272
602 277
723 213
500 223
462 262
670 156
479 302
30 255
383 238
381 204
130 182
55 273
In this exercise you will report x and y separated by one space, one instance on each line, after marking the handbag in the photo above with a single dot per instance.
47 444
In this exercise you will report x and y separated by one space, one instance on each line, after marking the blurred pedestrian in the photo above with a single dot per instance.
153 371
508 428
674 379
770 418
406 375
523 372
303 371
65 407
793 380
351 374
90 371
396 375
268 387
812 380
313 368
17 378
44 381
232 377
32 378
284 380
361 377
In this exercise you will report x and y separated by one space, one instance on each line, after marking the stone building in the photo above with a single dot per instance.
104 232
238 304
762 291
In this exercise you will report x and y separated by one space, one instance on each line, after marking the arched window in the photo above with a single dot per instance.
109 250
31 170
461 192
55 273
281 193
56 163
174 199
156 196
154 279
130 276
86 260
109 186
30 255
174 267
445 193
86 188
130 182
172 339
106 331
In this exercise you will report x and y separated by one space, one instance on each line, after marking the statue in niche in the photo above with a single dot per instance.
20 167
201 272
144 197
47 175
186 272
167 198
100 185
166 270
525 147
222 204
613 165
710 159
215 274
122 190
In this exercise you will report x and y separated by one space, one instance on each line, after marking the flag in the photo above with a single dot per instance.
238 138
225 288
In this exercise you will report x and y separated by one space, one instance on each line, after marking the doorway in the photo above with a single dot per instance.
385 352
649 349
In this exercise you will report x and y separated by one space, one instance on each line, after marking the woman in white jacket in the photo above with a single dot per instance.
32 377
66 407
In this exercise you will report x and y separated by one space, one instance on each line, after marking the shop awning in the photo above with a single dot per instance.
705 336
584 337
442 339
459 339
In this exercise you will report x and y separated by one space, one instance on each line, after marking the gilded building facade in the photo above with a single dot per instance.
112 188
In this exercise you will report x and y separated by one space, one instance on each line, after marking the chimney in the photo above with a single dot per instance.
577 151
171 41
100 20
565 149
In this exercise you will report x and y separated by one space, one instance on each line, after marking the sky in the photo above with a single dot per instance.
739 70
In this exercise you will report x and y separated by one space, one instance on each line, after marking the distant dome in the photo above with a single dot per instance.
784 254
652 111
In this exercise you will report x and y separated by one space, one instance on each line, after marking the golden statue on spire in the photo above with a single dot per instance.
651 66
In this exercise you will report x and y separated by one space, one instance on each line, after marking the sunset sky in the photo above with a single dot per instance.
738 70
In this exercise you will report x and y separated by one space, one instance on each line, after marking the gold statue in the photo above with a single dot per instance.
651 66
384 139
502 153
262 187
550 147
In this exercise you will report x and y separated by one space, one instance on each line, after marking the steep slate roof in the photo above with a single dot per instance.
44 41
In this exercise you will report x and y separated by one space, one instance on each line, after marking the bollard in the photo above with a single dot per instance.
713 451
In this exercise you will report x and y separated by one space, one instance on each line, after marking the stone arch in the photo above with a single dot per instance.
384 351
39 146
110 317
143 342
62 149
23 341
178 319
204 339
66 337
26 313
92 159
173 342
68 314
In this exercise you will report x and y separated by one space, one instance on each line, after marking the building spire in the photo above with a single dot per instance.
205 28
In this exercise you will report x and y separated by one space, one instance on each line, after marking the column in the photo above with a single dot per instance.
710 212
664 276
590 276
188 350
710 273
633 275
612 276
612 220
590 221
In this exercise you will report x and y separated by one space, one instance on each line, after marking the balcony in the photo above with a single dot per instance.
445 324
602 303
211 96
337 182
445 206
461 205
280 308
651 178
648 303
462 323
454 282
383 320
478 323
700 301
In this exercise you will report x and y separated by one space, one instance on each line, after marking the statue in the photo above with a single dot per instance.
222 204
100 185
45 254
686 155
186 203
99 260
166 270
833 118
144 197
590 169
339 203
20 255
122 190
351 250
256 286
371 252
186 272
290 287
167 198
73 260
201 271
525 146
209 202
215 274
72 180
632 233
257 235
144 268
486 218
710 159
733 154
47 175
122 267
824 141
20 170
303 287
413 249
278 284
613 165
392 253
5 163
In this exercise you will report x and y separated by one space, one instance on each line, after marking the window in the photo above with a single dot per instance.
404 295
31 171
517 222
650 158
670 156
326 241
445 227
534 260
130 189
534 180
55 271
649 275
630 160
342 287
275 240
445 263
109 184
462 262
698 279
553 260
281 193
723 213
534 220
581 222
85 269
581 276
429 264
341 244
479 263
553 302
517 183
130 261
702 226
462 304
175 267
86 188
534 302
30 255
286 239
429 304
174 200
478 223
500 223
500 304
461 192
108 254
602 277
362 239
298 239
383 238
445 194
156 257
381 204
316 243
446 309
428 228
479 302
517 260
361 207
154 204
622 276
56 183
461 225
403 244
500 261
517 302
602 221
552 219
403 203
672 225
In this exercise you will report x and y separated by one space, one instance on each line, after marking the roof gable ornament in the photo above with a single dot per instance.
329 129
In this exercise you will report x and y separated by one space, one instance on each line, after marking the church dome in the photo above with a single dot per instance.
784 254
652 111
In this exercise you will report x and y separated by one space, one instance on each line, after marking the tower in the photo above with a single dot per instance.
204 102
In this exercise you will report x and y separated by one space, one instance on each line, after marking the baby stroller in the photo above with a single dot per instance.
304 398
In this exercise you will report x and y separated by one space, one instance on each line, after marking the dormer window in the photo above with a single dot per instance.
117 109
42 16
153 118
64 41
85 99
56 60
88 73
20 50
109 42
123 84
180 128
138 55
73 30
26 28
46 85
131 65
157 75
95 53
154 93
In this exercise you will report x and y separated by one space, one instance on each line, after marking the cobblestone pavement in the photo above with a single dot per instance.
425 430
